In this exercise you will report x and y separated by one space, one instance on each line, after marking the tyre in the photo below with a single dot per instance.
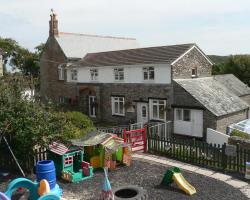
130 192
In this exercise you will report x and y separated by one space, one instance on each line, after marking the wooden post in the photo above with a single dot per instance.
224 158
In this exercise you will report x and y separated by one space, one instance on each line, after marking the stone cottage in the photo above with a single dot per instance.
112 79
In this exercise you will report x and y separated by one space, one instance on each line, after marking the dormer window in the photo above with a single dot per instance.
61 72
194 72
148 73
93 74
73 74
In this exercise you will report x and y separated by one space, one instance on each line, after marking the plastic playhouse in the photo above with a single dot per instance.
174 175
105 150
69 162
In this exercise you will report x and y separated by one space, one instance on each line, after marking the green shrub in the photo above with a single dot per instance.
82 122
240 134
31 123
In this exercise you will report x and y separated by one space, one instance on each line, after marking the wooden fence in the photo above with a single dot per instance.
27 162
220 157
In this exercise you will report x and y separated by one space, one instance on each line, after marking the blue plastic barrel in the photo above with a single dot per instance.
46 170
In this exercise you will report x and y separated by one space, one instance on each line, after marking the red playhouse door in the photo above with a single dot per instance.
137 139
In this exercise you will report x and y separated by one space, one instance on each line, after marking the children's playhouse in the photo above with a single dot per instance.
105 150
69 162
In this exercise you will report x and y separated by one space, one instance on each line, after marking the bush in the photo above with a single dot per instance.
81 122
30 123
240 134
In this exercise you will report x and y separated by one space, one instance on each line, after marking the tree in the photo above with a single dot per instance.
21 58
239 65
30 123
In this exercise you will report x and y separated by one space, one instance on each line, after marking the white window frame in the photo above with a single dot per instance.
147 71
182 114
61 73
156 102
94 74
118 100
195 74
90 106
74 74
119 74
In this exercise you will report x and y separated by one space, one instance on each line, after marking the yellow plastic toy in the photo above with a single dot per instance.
174 175
43 187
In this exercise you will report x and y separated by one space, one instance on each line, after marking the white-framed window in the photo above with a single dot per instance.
93 74
157 109
148 73
194 72
92 106
61 72
183 114
178 114
118 106
73 74
119 74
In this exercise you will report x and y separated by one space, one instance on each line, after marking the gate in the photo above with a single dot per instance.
137 139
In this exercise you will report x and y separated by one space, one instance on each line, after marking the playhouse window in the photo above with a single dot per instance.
68 161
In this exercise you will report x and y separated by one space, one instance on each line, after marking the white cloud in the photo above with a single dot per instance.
153 22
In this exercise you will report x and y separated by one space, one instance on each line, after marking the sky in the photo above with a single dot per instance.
219 27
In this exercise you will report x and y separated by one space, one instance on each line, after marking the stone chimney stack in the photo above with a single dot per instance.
53 24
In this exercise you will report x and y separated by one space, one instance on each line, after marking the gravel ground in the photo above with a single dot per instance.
149 175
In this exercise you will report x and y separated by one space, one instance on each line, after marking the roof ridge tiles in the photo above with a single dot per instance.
93 35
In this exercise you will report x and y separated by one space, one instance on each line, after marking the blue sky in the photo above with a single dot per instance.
219 27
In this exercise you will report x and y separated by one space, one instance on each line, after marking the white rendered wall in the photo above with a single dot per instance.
132 74
216 137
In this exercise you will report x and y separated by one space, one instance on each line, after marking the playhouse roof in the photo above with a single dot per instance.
96 138
60 149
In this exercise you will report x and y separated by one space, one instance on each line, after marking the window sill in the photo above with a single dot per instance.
118 115
148 81
155 119
119 81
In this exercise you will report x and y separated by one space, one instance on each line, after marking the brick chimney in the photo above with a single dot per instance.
53 24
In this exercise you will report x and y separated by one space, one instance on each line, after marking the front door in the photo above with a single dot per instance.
142 112
92 106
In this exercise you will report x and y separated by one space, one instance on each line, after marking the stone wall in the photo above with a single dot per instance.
224 121
50 86
194 59
246 98
132 92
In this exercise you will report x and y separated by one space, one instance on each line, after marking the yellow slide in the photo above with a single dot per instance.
183 184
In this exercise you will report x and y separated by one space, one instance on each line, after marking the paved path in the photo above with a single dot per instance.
244 187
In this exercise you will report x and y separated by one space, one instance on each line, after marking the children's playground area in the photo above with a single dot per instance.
151 177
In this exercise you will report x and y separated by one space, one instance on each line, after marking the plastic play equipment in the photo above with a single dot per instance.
174 175
46 170
34 188
69 162
3 196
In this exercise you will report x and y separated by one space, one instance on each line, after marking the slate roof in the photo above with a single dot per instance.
148 55
213 95
233 84
78 45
